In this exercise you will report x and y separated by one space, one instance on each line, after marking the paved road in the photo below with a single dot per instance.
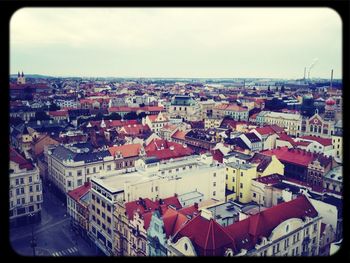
53 234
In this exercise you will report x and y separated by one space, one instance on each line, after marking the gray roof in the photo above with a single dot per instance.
66 153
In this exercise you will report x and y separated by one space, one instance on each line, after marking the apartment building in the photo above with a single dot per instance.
289 121
288 229
78 201
25 190
238 181
70 166
185 107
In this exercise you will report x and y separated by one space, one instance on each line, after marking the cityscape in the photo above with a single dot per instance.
136 157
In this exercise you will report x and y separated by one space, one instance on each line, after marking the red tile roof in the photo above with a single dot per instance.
180 135
295 156
164 150
262 224
134 129
208 237
323 141
266 130
270 179
20 160
127 150
58 113
287 138
79 192
144 205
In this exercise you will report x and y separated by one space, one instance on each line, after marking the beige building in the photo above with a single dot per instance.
155 122
212 123
289 121
185 107
25 190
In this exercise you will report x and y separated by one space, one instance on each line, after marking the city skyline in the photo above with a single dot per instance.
176 42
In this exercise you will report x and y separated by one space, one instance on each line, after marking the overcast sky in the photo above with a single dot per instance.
176 42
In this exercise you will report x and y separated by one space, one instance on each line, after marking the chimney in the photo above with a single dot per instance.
195 205
331 79
172 148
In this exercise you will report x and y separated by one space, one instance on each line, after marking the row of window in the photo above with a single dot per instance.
22 201
21 191
21 180
99 201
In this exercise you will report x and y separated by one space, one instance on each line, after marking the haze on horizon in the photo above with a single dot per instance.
176 42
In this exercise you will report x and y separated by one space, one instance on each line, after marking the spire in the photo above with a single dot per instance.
19 74
22 74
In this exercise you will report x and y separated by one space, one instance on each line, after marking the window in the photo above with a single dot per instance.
226 176
104 226
18 201
30 189
98 221
87 170
23 201
93 197
97 200
17 191
241 185
98 211
240 195
241 173
30 179
214 174
22 181
214 193
93 207
108 167
69 183
17 181
233 179
214 184
109 219
156 188
38 197
103 215
31 198
103 204
108 208
315 227
94 170
37 188
79 182
254 194
93 218
79 173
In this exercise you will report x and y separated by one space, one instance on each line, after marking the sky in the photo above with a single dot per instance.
177 42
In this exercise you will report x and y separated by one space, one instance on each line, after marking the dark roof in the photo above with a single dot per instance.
252 137
262 160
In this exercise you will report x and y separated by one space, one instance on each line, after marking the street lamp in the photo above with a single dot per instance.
33 243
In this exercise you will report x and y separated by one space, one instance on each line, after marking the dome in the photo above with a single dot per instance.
330 101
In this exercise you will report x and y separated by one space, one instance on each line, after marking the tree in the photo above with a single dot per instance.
141 115
115 116
130 116
54 107
41 115
275 104
282 89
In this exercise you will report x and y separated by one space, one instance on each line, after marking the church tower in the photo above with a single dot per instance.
20 78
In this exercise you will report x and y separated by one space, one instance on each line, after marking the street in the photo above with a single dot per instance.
53 235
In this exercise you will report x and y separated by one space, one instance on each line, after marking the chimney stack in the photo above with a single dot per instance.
331 79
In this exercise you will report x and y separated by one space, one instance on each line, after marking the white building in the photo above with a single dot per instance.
289 121
25 190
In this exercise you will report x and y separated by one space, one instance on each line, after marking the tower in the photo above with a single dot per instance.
330 110
20 78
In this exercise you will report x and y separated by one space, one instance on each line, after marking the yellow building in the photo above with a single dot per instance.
267 165
337 142
238 181
212 123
